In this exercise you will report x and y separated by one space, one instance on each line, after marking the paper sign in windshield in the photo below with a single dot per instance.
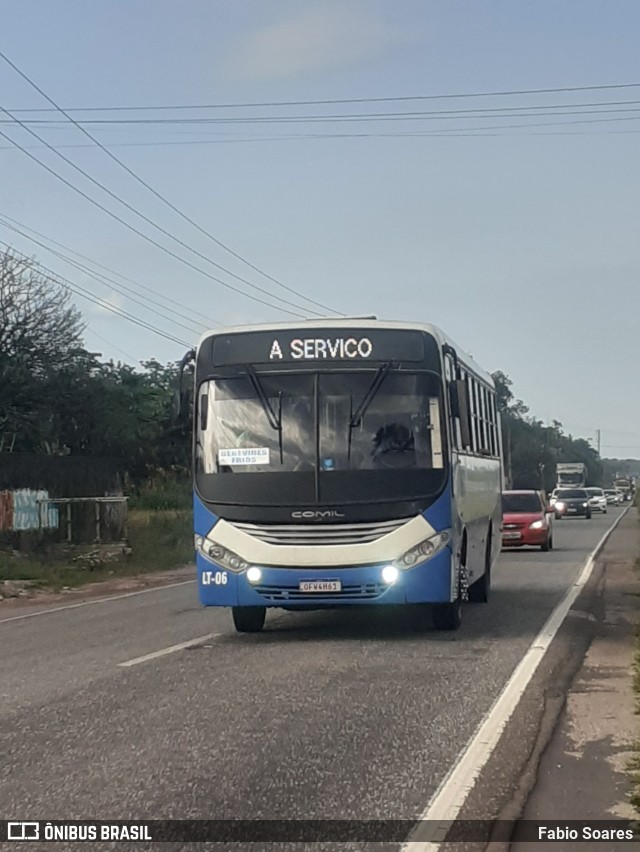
247 455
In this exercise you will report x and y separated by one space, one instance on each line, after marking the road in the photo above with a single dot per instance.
337 715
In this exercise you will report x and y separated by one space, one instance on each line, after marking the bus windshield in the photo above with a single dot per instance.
320 437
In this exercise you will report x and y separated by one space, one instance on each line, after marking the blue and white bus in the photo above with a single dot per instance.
343 462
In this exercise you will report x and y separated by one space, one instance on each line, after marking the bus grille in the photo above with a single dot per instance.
360 591
310 534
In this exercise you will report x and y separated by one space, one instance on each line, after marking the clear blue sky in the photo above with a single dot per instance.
522 244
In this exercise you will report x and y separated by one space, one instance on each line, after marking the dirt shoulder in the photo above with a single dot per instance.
584 773
103 588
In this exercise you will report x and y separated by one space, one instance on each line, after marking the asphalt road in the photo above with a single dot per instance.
338 715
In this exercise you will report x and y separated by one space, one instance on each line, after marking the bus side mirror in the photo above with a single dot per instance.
459 397
179 406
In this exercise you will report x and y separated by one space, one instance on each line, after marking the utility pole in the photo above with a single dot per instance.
509 470
598 439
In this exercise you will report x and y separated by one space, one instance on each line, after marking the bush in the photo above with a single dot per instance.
163 493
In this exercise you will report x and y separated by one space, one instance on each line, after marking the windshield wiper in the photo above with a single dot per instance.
355 417
275 420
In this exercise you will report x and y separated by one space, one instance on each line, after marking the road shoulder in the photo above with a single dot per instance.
583 773
42 599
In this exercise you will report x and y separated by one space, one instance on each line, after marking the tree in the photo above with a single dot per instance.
505 400
40 335
532 450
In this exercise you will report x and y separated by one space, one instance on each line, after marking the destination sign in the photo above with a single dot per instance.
318 345
317 348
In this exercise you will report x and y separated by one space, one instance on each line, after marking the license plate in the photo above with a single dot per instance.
572 510
511 535
320 586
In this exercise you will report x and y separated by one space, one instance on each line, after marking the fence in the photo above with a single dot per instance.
50 499
105 520
31 518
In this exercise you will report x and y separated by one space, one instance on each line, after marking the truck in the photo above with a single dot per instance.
626 485
571 475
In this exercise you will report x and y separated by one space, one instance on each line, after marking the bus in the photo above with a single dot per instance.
343 462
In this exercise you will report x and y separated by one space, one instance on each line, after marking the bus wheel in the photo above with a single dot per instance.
249 619
448 616
479 591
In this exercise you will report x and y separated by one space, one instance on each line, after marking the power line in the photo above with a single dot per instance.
460 133
153 224
480 131
389 99
437 115
86 294
594 429
124 222
120 288
106 268
109 343
166 201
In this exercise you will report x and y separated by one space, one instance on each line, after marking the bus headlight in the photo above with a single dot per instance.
423 551
214 552
254 575
390 574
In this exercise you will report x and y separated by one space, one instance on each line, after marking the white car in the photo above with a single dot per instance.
613 497
597 500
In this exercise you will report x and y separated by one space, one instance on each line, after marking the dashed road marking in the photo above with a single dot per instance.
170 650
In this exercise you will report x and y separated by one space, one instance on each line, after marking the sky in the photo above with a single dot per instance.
514 230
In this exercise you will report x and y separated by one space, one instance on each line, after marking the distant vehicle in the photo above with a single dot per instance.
571 475
625 485
572 502
614 497
527 521
597 499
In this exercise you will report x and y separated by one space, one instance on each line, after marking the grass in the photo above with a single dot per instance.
164 494
159 541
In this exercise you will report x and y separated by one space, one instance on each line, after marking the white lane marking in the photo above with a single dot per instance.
170 650
96 601
449 798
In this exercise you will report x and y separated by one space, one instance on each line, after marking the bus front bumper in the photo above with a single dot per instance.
292 588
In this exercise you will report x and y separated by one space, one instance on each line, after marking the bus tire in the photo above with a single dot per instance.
249 619
478 592
448 616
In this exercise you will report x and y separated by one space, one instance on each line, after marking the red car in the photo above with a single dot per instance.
526 520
